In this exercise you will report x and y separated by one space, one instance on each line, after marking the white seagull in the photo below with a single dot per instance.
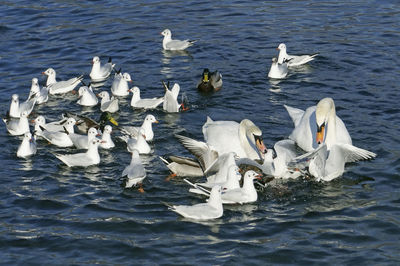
58 138
87 97
88 158
246 194
100 72
16 107
138 102
27 146
41 95
135 171
278 70
139 144
120 86
170 103
108 104
293 60
40 121
82 141
107 142
147 126
17 127
60 87
174 45
212 209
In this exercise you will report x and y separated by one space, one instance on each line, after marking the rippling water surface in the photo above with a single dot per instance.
50 213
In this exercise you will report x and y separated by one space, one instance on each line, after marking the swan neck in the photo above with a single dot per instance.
331 127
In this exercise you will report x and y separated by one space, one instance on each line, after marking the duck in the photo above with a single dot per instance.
149 103
210 210
58 138
135 171
83 123
17 127
107 142
278 70
85 159
210 81
28 146
100 72
108 104
320 124
16 108
293 60
120 86
174 45
60 87
87 97
147 126
139 143
41 95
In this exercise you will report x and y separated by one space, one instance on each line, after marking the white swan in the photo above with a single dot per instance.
244 138
319 124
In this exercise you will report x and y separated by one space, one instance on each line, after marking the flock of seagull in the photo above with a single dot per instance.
318 131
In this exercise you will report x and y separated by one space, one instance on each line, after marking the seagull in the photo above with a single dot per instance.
246 194
88 158
278 70
210 81
83 123
60 87
107 142
135 171
293 60
41 95
82 141
16 108
149 103
17 127
119 86
139 144
182 166
40 121
174 45
147 127
107 104
60 139
170 103
212 209
28 146
87 97
100 72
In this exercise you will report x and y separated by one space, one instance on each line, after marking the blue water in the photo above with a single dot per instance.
50 213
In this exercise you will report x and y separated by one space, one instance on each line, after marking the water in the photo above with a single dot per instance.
53 214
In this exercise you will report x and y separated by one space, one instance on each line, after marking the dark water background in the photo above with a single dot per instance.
50 213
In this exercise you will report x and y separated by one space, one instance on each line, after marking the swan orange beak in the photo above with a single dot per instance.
320 134
260 145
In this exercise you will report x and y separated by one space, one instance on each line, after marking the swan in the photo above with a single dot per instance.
244 138
320 124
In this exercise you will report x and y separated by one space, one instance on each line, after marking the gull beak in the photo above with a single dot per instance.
156 122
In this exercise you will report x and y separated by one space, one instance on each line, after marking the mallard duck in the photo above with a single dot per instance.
83 123
210 81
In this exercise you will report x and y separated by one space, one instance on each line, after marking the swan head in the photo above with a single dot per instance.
254 134
325 108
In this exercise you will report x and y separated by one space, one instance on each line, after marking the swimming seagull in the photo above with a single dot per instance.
58 138
41 95
88 158
17 107
27 146
174 45
82 141
212 209
147 126
278 70
170 103
87 97
107 142
108 104
149 103
134 172
19 126
293 60
100 72
139 144
120 86
60 87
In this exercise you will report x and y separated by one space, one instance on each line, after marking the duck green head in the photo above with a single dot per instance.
105 117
